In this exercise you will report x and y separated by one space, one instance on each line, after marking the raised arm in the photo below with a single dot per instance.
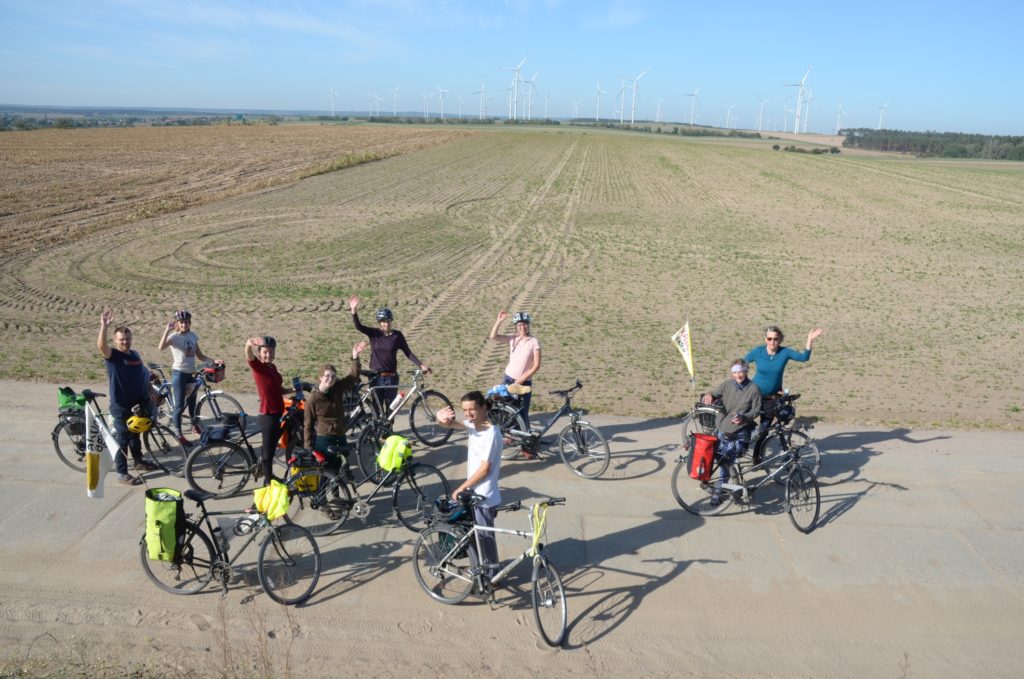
446 418
165 339
356 350
250 345
814 334
101 341
502 317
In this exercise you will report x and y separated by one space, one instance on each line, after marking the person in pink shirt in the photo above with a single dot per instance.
523 358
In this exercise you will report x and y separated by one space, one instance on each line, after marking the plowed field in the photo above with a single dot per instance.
611 240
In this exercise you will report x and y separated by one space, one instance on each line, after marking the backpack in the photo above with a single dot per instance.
394 453
165 524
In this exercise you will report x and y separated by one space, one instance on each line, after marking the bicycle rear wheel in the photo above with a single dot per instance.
506 418
215 405
370 441
584 450
220 468
164 450
704 498
69 443
444 574
191 572
318 501
417 488
701 420
803 499
549 609
423 418
288 565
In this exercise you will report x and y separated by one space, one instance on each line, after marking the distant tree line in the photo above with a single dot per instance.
662 128
816 151
936 144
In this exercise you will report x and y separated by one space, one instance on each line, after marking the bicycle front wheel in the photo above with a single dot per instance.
423 418
549 609
584 450
164 450
69 442
704 498
220 468
215 405
442 571
288 566
420 484
506 418
191 572
773 445
803 499
318 501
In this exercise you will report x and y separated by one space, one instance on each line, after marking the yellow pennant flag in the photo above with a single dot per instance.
682 342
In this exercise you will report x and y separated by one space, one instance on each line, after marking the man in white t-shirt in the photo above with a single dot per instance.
483 464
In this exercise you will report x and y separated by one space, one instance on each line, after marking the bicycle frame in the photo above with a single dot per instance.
378 406
790 461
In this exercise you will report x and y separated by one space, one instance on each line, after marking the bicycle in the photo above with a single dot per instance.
778 437
581 445
160 446
715 492
321 499
213 403
288 563
378 421
222 466
448 568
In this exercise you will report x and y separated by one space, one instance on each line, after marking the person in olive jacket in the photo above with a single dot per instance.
326 420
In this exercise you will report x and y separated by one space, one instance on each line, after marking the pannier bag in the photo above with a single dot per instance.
271 499
295 424
393 454
214 373
702 447
165 524
74 421
67 399
300 461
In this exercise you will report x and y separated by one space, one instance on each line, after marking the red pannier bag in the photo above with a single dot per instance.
702 452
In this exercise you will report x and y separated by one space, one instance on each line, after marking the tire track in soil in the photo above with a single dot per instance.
478 271
546 274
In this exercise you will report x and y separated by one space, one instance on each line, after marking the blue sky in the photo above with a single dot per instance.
944 67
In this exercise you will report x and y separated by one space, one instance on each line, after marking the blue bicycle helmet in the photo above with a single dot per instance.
384 314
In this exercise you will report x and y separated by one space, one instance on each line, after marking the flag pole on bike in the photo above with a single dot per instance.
683 342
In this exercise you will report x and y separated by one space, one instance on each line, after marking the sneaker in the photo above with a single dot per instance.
185 443
196 429
129 480
715 500
528 454
145 465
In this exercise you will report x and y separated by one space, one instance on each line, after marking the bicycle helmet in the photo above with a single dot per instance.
521 317
183 315
269 342
384 314
139 424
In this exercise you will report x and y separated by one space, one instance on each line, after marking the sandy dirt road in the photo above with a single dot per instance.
917 569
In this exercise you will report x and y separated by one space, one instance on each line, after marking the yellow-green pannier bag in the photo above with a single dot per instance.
393 454
165 524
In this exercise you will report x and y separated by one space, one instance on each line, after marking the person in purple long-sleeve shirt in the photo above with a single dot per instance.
385 343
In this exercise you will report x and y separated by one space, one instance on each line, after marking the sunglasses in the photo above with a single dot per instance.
771 339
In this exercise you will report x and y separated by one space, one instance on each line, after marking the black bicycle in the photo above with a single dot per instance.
581 445
321 498
288 563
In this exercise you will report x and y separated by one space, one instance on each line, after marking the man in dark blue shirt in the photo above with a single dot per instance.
128 380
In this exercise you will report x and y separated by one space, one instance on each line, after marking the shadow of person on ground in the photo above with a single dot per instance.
584 564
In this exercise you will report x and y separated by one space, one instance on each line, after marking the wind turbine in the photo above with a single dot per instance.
575 110
483 99
426 103
693 103
807 113
799 99
636 83
513 108
333 95
599 93
546 97
728 113
839 117
529 96
785 117
657 115
760 116
460 107
394 102
622 98
443 92
881 113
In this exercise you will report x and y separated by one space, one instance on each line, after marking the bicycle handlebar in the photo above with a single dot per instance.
566 392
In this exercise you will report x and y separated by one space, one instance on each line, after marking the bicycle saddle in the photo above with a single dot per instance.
198 496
